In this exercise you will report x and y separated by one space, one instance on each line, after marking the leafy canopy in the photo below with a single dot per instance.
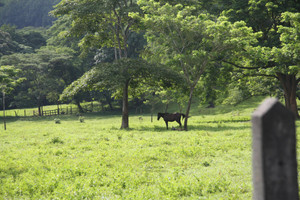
8 78
191 43
288 55
113 76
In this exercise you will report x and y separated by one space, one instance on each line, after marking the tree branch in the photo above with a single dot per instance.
269 65
238 66
263 75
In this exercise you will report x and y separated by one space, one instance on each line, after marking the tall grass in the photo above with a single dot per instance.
40 159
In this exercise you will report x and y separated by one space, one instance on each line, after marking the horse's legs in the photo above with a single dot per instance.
178 121
167 124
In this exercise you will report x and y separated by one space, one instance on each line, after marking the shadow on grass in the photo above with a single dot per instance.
251 103
218 127
62 117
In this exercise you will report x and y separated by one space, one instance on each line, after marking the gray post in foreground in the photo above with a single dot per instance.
274 152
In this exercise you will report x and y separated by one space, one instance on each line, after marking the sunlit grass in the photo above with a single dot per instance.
96 160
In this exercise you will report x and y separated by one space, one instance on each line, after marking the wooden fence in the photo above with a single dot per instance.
274 159
61 110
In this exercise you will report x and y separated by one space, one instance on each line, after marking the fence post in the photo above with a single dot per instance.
274 152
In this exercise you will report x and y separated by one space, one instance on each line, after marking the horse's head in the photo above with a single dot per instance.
159 115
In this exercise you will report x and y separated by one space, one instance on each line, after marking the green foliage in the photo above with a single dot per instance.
235 96
275 57
58 33
8 78
191 44
194 40
47 71
113 76
7 45
100 23
287 56
25 40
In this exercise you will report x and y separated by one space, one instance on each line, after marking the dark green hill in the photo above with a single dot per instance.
26 13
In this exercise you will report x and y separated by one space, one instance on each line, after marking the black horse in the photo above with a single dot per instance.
169 117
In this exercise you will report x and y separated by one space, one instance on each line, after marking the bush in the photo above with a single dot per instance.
235 96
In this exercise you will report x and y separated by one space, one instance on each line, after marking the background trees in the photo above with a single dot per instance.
47 72
222 60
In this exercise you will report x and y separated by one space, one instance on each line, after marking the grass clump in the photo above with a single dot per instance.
57 121
81 119
56 140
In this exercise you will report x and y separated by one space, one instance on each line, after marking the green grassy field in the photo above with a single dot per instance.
96 160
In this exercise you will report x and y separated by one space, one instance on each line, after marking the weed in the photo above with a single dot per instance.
120 135
81 119
56 140
205 164
57 121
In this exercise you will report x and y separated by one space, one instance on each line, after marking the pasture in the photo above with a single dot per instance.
40 159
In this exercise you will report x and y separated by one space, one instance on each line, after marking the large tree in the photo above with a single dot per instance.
287 59
188 43
103 23
271 59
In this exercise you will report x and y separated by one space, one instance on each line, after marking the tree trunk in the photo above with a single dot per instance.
58 108
40 110
289 84
4 117
188 108
80 109
166 108
125 110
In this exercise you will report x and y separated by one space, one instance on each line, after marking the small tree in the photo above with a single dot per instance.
7 82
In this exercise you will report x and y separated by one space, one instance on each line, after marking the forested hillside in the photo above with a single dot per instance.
23 13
